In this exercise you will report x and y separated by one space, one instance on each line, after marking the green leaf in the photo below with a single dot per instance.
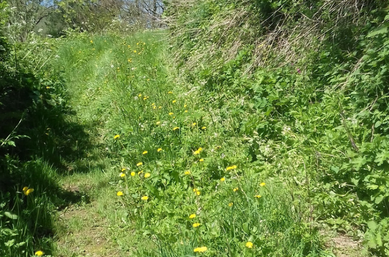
10 215
378 31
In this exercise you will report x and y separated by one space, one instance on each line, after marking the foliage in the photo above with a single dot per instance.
307 80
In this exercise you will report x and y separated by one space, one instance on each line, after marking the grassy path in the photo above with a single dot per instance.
167 170
97 70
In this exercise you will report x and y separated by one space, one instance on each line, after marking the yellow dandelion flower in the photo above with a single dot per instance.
201 160
160 107
158 122
159 149
249 245
145 198
195 225
123 169
230 204
187 172
194 124
192 216
170 113
140 172
134 51
186 110
185 105
258 196
139 164
132 174
174 101
140 95
198 151
29 191
116 137
147 175
198 192
122 175
154 107
144 152
175 128
120 193
91 41
231 167
236 189
223 179
262 184
40 253
25 189
200 249
129 60
203 128
170 92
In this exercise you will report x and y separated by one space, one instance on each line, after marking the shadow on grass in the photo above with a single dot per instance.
39 139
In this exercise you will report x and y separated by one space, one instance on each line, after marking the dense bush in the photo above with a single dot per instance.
309 80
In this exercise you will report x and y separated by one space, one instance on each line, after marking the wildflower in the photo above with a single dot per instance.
140 172
129 60
187 172
195 225
120 193
230 204
147 175
170 92
222 179
139 164
197 192
132 174
236 189
140 95
200 249
194 124
144 152
175 128
134 51
201 160
40 253
170 113
231 167
262 184
27 190
198 151
174 101
203 128
122 175
249 245
258 196
185 105
160 107
91 41
145 198
158 122
123 169
186 110
159 149
116 137
154 107
192 216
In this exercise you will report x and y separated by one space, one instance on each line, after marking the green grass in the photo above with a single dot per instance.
125 87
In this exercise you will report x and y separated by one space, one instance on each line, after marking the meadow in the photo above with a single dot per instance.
201 139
